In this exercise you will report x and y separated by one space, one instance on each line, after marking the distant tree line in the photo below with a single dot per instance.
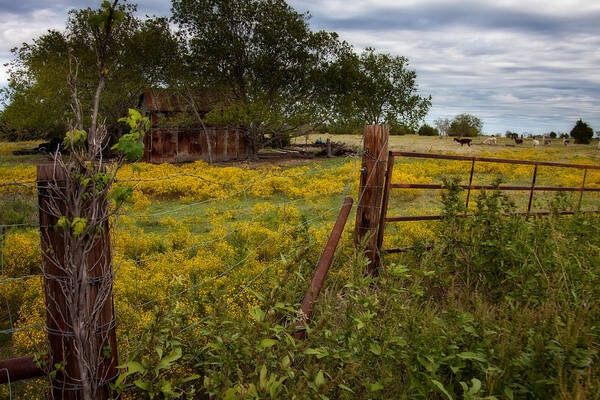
266 70
460 125
581 132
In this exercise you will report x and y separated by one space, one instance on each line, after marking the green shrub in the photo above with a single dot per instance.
428 130
582 132
502 307
17 209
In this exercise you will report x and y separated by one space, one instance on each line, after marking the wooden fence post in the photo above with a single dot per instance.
370 192
66 383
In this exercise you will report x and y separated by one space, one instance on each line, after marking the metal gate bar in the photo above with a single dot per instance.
384 218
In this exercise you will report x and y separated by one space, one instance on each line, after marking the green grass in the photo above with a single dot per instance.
503 308
425 144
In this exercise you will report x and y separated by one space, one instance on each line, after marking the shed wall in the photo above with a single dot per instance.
180 145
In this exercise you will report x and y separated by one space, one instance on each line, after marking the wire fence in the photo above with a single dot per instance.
274 217
152 245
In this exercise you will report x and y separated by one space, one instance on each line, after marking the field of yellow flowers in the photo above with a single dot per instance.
194 231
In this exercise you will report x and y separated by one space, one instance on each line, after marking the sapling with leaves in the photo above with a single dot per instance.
155 360
81 199
83 202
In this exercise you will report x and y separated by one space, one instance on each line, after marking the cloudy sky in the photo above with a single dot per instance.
520 65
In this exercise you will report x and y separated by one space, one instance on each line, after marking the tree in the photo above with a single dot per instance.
442 124
398 128
582 132
140 54
379 88
262 63
552 135
428 130
465 125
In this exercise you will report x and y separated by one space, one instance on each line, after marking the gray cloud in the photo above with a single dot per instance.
475 15
525 65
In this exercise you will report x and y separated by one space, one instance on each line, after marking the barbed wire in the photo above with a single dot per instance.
20 278
250 281
21 183
188 176
207 242
347 186
32 184
19 225
265 177
19 329
215 199
232 267
227 270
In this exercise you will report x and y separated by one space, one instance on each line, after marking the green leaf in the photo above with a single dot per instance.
374 387
267 343
77 137
63 222
375 349
441 388
173 355
341 386
144 385
262 380
78 226
166 387
191 378
476 386
320 352
129 147
121 194
468 355
230 394
320 378
257 314
133 367
169 358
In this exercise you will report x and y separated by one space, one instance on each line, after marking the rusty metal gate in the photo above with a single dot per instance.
389 185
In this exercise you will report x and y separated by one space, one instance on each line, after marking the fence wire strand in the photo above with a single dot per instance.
241 214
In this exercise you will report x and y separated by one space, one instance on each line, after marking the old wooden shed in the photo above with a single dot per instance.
177 135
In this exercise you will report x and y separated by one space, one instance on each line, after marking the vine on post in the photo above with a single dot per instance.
77 201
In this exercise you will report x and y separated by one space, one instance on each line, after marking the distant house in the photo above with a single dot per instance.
177 135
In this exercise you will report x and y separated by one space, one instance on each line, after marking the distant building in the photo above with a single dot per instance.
177 135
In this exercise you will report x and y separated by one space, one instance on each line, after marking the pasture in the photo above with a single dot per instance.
214 259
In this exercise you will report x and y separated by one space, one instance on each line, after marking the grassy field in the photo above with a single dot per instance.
504 306
190 201
445 144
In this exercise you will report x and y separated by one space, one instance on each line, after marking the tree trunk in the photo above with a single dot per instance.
253 149
253 138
